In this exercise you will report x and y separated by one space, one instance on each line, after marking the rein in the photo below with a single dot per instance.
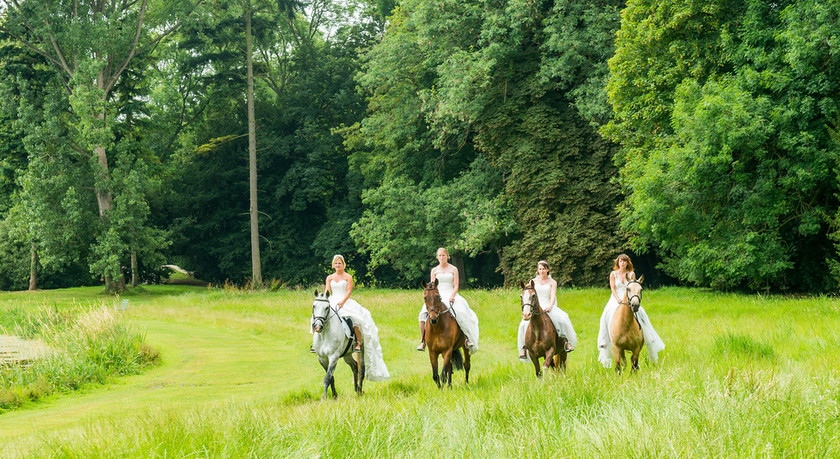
434 306
630 300
327 315
530 305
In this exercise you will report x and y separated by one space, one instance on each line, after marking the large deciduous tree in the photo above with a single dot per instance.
91 45
723 112
505 96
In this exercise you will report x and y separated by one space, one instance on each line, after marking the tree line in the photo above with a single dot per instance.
702 137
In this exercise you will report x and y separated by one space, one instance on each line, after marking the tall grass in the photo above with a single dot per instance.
741 376
85 347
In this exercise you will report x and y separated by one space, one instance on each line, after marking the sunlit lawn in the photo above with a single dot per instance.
740 376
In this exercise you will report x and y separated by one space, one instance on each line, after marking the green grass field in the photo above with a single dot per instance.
740 376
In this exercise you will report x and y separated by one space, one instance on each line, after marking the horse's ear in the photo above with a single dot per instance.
316 292
436 282
642 279
522 285
424 284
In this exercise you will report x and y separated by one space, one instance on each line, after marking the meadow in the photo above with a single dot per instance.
742 375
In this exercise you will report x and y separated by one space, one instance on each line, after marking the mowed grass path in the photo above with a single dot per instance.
741 375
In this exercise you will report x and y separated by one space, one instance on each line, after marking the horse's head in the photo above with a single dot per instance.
634 293
320 311
431 298
528 300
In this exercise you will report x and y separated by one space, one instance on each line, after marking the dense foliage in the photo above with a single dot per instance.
723 111
702 135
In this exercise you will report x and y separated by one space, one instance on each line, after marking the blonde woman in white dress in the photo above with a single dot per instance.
621 275
546 288
448 278
340 285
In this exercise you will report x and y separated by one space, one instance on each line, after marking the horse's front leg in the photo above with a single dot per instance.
618 358
433 358
549 359
535 359
447 367
329 381
634 359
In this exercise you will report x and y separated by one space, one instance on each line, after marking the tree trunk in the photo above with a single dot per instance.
458 261
134 268
33 268
256 265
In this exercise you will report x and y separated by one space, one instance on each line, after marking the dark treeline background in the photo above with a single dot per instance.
700 137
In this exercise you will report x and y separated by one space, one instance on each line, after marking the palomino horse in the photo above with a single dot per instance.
541 338
444 337
625 329
331 343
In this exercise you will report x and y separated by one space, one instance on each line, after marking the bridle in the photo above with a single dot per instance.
322 319
629 301
539 310
447 309
630 298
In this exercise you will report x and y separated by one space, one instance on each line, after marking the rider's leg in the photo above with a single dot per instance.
422 345
358 339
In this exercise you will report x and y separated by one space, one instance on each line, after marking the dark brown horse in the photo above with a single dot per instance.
444 337
625 329
541 340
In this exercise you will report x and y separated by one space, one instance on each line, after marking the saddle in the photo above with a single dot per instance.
347 325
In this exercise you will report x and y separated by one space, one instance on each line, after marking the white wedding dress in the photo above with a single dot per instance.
562 322
375 369
652 340
465 316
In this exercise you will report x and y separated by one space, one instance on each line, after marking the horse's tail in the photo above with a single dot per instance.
457 360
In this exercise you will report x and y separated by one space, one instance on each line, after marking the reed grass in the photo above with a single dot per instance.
742 376
86 346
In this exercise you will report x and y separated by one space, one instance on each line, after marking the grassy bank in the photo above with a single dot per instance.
741 375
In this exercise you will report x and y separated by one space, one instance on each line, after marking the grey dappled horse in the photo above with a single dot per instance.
331 343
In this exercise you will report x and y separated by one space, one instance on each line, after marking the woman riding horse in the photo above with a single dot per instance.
444 337
620 277
540 337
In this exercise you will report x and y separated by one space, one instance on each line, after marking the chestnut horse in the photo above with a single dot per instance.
541 340
625 329
444 337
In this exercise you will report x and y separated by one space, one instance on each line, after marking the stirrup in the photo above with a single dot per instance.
357 349
568 347
311 348
422 346
467 342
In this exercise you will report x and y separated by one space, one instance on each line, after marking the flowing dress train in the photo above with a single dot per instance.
375 369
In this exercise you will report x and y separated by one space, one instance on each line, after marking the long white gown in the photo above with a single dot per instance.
560 319
375 369
652 340
465 316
